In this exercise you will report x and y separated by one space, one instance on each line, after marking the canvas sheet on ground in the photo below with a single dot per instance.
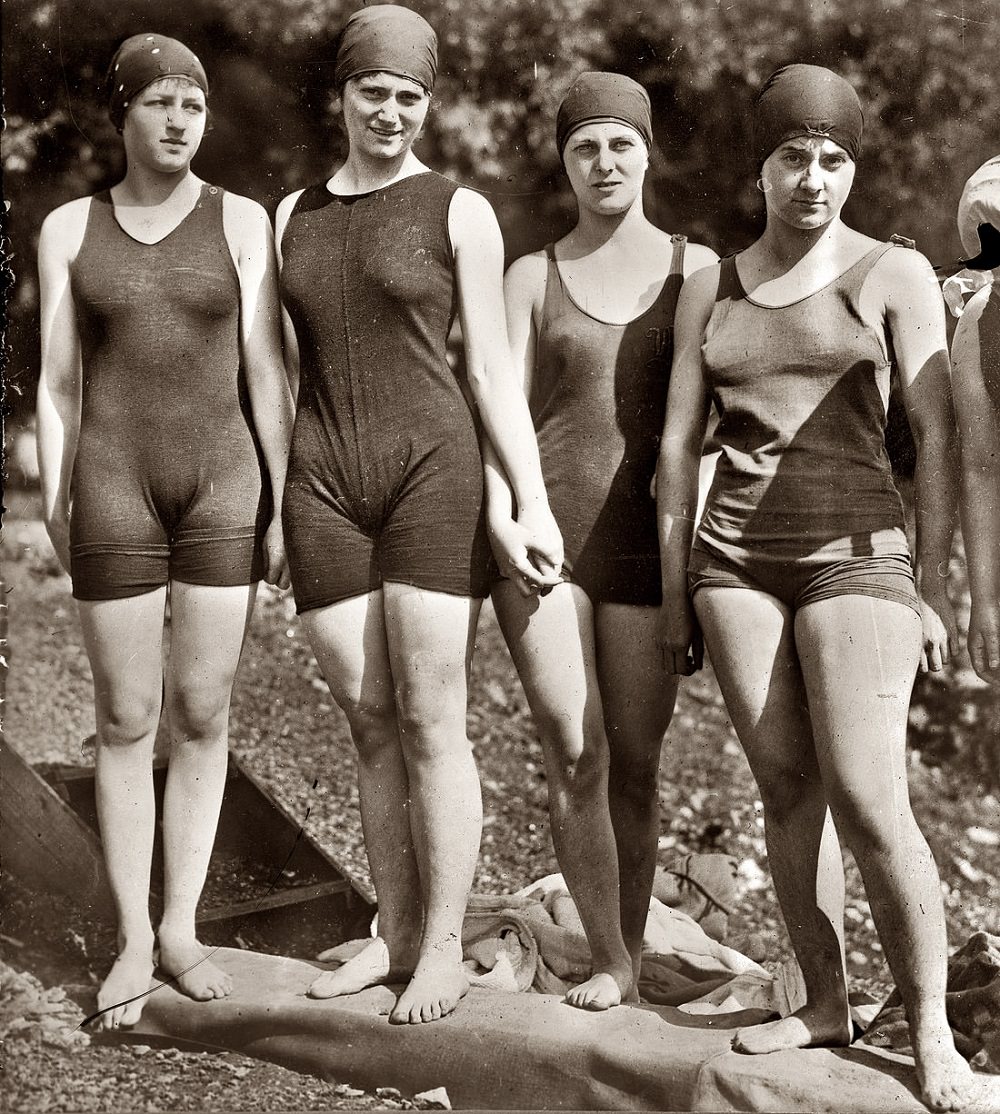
507 1050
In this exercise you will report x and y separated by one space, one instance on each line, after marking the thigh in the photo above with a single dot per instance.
859 657
637 693
430 638
124 641
750 639
350 644
552 643
208 625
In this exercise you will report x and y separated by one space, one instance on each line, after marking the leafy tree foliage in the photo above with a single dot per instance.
925 70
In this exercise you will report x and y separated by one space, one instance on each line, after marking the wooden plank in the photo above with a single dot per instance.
43 841
277 806
276 899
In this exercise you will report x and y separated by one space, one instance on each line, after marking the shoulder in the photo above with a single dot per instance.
526 277
703 283
904 265
472 222
63 229
243 208
697 257
468 204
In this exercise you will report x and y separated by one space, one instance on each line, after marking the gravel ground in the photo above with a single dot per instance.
286 729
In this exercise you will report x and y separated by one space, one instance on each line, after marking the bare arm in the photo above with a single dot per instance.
287 328
249 232
677 470
979 427
60 384
915 315
478 248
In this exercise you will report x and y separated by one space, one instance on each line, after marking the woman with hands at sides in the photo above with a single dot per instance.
590 321
384 506
799 574
975 352
164 417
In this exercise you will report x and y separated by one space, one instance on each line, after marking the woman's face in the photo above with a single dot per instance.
383 113
606 163
164 124
806 181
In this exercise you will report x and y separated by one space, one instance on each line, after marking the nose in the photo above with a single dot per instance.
605 160
811 179
387 111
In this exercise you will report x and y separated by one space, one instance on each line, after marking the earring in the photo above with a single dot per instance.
760 185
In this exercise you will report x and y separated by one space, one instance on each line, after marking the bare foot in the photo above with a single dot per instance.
806 1028
123 993
602 991
947 1082
369 965
191 971
439 983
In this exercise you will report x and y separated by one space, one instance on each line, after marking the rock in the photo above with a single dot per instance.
436 1099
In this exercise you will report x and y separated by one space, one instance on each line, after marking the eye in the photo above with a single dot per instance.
622 145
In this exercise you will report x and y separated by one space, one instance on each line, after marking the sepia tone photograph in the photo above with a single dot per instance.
500 590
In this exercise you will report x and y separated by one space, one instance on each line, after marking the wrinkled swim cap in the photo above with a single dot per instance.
143 59
390 39
806 100
979 216
596 97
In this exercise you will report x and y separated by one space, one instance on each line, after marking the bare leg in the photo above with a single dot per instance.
859 656
349 641
551 640
638 699
124 640
207 628
749 635
431 637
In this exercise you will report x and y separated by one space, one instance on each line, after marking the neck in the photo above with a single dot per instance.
788 245
145 187
594 230
361 173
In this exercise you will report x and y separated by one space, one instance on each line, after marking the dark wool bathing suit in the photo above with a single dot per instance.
803 504
168 481
385 479
598 398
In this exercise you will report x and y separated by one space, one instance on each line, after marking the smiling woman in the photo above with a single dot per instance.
163 422
384 506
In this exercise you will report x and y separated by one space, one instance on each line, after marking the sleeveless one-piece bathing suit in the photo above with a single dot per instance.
803 503
168 480
598 398
385 478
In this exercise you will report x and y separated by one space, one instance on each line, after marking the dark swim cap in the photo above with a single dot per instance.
143 59
806 100
390 39
596 97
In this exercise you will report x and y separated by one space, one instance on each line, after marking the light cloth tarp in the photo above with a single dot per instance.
504 1048
525 1051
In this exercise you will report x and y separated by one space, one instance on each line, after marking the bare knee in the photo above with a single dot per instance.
873 828
373 726
788 792
576 754
634 783
128 719
199 712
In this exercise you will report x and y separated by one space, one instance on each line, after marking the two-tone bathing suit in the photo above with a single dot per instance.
385 477
598 398
168 480
803 503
